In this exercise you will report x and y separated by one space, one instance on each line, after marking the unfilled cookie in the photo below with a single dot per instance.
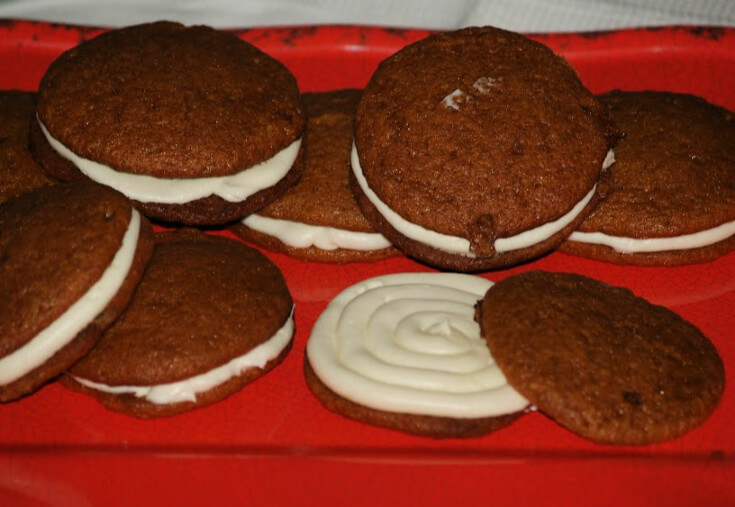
70 259
670 197
194 124
210 316
19 172
318 218
602 362
477 149
403 351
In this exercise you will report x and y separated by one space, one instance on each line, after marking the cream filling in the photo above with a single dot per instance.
641 245
142 188
301 235
187 390
460 245
409 343
64 329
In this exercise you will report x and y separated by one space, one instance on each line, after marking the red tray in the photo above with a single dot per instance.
273 442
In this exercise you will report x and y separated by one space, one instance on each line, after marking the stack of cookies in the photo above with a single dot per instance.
180 125
468 151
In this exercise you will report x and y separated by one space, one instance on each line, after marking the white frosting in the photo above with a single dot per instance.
636 245
64 329
409 343
142 188
483 84
301 235
453 100
460 245
187 390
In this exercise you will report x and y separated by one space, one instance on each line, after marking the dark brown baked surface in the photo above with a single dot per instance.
674 174
171 101
520 147
203 301
322 197
602 362
55 244
17 109
422 425
19 172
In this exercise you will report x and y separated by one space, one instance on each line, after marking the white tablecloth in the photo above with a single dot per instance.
519 15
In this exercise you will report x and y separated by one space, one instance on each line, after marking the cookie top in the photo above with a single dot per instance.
672 186
19 172
169 101
479 135
408 343
204 301
606 364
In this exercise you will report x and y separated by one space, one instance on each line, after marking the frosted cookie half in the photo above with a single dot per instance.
403 351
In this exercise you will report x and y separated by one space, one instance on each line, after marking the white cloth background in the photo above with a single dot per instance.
519 15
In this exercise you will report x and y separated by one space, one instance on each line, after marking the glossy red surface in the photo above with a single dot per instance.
274 443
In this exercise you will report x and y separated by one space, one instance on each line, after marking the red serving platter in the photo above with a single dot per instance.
274 443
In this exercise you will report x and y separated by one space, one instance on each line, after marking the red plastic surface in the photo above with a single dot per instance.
274 443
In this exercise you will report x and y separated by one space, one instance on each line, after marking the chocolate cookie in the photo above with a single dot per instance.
477 149
210 315
193 124
670 197
606 364
17 109
70 259
318 219
404 352
19 172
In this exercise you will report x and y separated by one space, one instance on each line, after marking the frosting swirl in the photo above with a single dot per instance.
409 343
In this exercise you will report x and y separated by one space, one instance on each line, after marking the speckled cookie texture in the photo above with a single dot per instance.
19 172
674 176
479 134
602 362
322 197
171 102
421 425
204 301
56 243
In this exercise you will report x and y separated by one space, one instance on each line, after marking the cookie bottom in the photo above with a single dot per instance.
314 254
211 210
667 258
139 407
421 425
457 262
